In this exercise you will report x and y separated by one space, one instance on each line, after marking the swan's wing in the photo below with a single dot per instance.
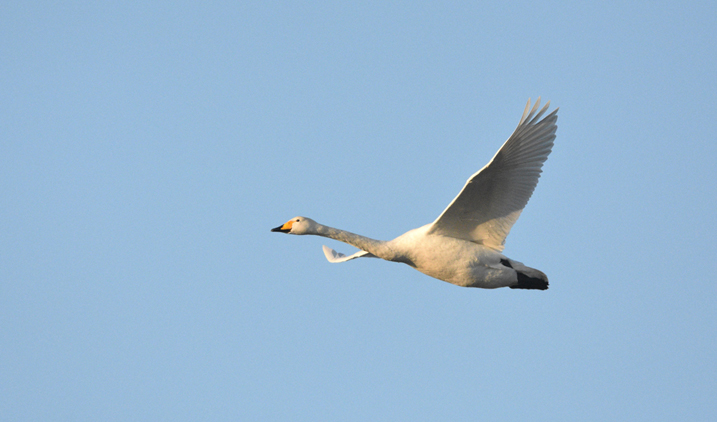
493 198
335 257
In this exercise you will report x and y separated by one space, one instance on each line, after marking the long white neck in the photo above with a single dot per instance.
378 248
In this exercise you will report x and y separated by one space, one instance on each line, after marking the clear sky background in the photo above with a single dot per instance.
146 149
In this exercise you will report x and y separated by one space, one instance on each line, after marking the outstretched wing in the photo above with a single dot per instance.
492 199
335 257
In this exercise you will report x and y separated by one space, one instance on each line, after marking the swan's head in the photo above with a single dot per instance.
297 225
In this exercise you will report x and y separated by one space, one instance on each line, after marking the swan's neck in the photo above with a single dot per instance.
376 247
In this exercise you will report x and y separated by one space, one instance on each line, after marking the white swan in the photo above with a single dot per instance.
463 246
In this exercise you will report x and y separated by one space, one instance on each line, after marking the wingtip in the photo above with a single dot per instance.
529 114
525 113
329 253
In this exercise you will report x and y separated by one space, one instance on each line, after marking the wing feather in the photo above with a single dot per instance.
493 198
335 257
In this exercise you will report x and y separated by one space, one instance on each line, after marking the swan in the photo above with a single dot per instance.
464 245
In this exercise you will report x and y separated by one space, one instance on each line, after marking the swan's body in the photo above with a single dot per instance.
463 246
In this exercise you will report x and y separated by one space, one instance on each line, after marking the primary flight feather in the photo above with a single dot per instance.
463 246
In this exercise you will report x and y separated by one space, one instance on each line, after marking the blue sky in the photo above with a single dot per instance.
147 149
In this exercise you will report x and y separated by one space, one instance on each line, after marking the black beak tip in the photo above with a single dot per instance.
279 230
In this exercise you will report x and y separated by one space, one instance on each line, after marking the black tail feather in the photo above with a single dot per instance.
525 282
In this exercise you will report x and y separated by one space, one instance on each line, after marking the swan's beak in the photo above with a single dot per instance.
286 228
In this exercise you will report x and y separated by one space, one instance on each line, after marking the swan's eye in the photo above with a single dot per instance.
297 221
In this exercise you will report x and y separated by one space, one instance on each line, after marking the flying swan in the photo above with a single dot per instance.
463 246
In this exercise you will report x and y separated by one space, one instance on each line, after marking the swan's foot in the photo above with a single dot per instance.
525 282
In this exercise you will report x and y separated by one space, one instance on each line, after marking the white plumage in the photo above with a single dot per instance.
463 246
